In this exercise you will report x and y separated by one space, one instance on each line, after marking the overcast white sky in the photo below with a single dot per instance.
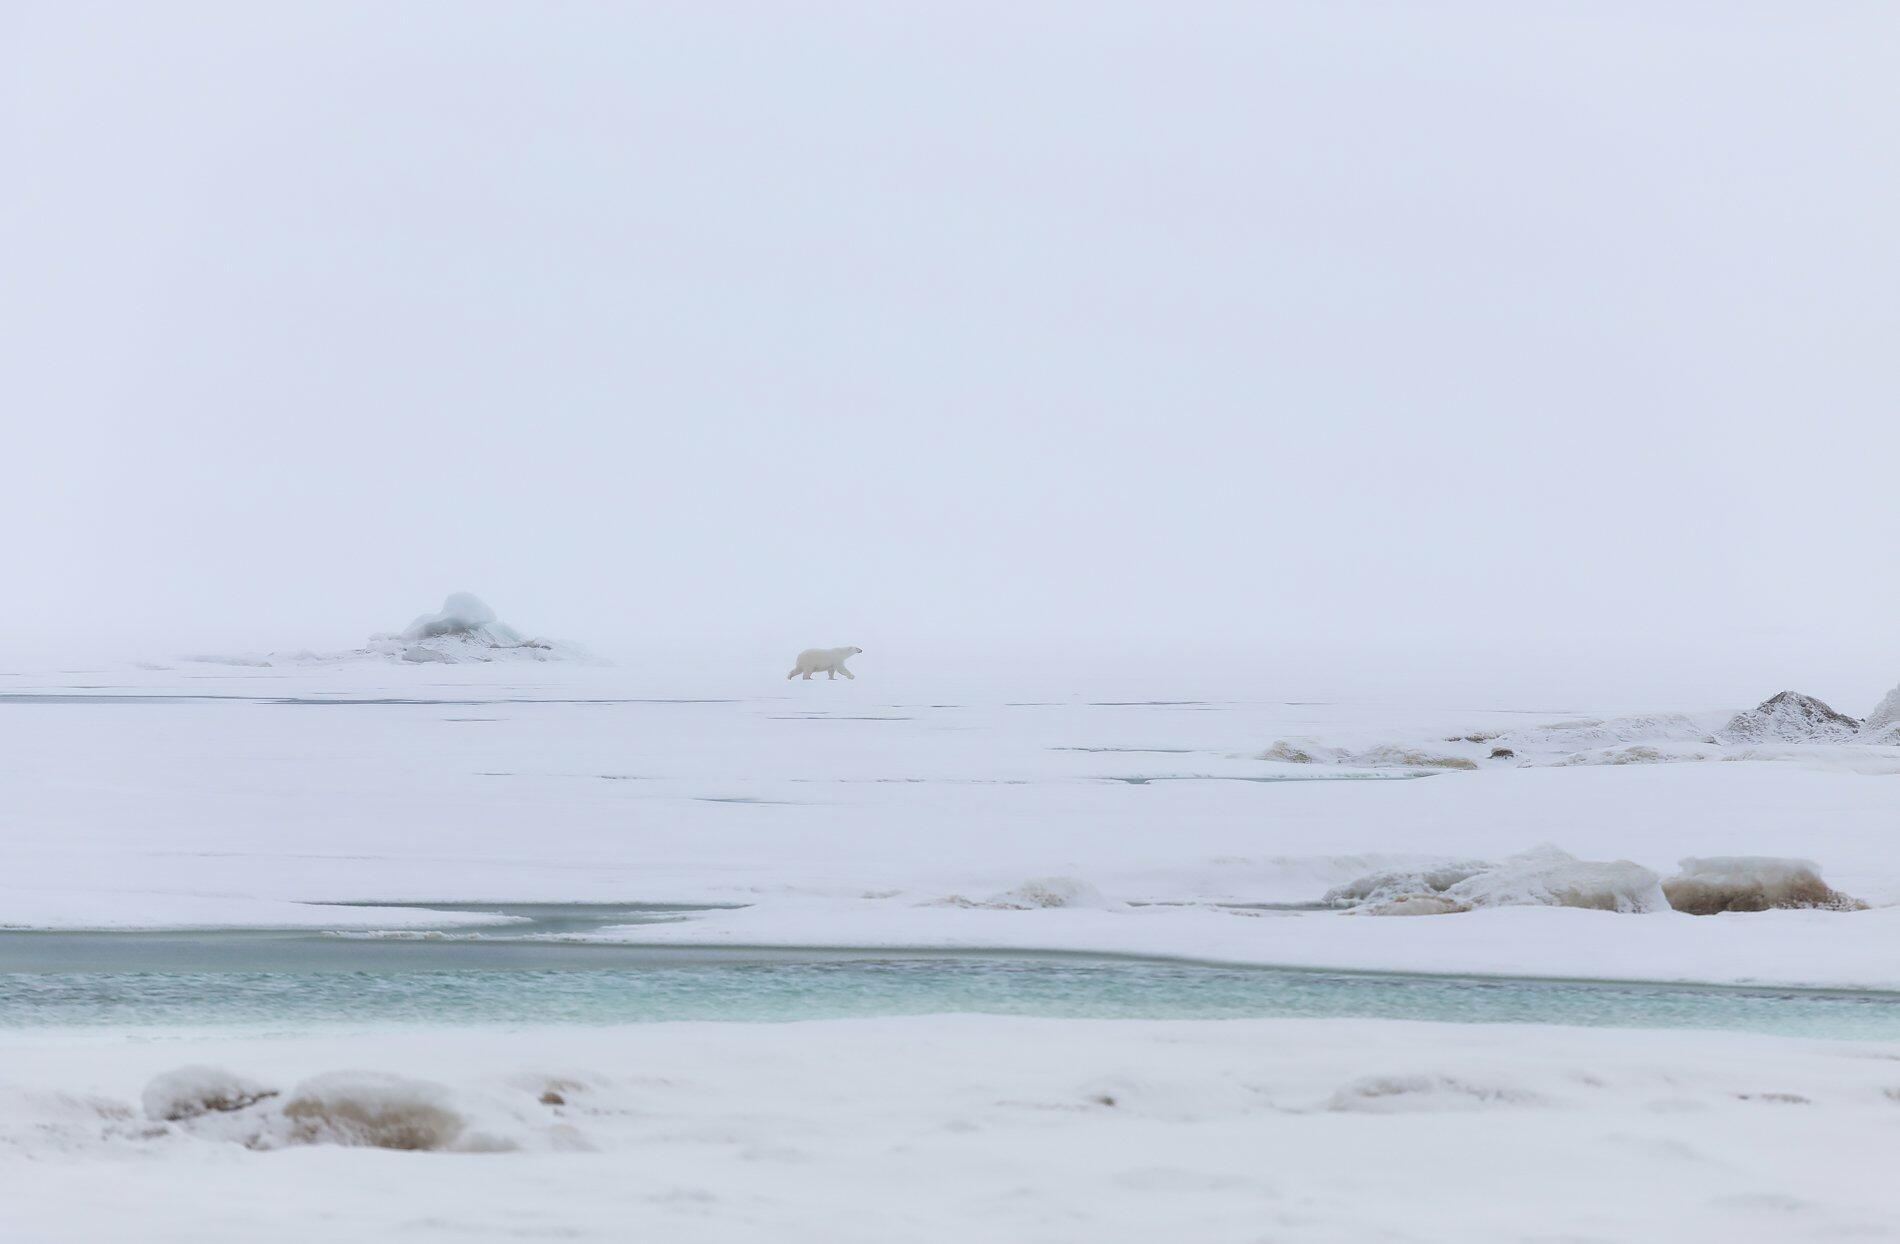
829 322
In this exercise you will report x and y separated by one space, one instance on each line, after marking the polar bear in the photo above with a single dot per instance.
828 660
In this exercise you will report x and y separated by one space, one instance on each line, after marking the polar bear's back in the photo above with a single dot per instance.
818 658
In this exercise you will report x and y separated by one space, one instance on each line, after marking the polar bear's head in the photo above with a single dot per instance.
852 652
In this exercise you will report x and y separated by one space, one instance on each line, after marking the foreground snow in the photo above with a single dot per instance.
952 1128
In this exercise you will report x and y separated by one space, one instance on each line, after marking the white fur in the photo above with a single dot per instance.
828 661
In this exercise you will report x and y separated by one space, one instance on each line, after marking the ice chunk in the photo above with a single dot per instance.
1545 876
1395 883
1883 724
1553 878
1721 883
461 614
195 1090
1789 717
416 654
372 1109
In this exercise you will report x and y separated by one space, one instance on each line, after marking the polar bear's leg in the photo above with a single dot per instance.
794 673
808 674
832 673
847 673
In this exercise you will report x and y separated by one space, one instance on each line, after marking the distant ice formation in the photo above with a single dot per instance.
465 630
1789 717
1785 726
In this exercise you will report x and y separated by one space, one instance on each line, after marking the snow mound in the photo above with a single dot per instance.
1789 717
1706 886
374 1110
1545 877
1883 724
191 1091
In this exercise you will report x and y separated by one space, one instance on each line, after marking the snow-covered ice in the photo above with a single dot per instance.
905 809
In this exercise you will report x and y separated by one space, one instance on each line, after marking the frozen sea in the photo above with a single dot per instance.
1020 956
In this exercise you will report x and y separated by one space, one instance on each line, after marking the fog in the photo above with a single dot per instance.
1267 326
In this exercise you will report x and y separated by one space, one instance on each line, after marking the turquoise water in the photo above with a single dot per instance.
298 981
